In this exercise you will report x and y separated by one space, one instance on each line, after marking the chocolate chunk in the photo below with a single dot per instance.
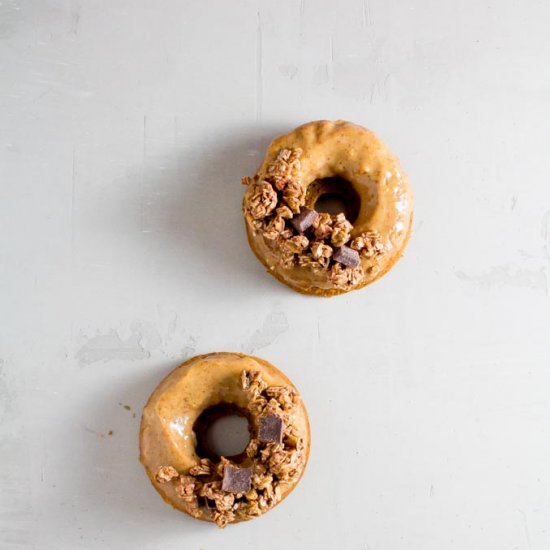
236 480
346 256
270 429
304 220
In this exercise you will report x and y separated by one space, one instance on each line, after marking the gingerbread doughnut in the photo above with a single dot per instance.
316 252
184 469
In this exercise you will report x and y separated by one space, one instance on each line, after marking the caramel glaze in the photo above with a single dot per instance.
166 434
355 154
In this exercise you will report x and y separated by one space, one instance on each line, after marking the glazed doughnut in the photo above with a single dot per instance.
184 469
315 252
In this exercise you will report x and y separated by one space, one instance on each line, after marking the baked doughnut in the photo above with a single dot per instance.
314 252
182 466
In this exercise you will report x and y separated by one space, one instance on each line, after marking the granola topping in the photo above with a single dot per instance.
166 473
233 492
204 468
306 238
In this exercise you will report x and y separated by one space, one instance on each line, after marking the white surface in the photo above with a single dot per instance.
124 130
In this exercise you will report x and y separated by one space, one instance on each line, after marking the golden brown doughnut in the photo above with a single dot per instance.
319 253
224 489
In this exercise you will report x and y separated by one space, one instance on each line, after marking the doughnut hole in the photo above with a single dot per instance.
223 430
334 195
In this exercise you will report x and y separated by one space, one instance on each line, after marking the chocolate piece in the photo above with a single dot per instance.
270 429
346 256
304 220
236 480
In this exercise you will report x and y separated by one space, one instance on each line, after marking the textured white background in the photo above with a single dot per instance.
124 130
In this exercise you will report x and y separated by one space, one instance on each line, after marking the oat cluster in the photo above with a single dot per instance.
279 197
273 465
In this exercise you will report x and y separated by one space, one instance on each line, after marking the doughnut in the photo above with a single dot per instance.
320 252
184 468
